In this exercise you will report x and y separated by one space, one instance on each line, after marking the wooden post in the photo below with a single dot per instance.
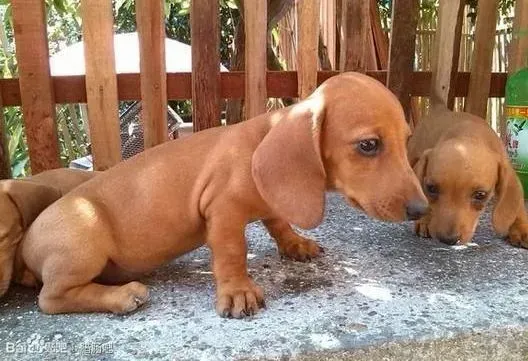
101 82
447 50
355 33
381 41
205 41
151 31
518 52
255 17
328 29
36 88
307 50
480 78
5 164
402 46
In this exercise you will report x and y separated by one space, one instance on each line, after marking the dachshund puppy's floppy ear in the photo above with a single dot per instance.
420 165
288 169
509 198
30 198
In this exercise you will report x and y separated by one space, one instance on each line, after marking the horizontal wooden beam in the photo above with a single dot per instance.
281 84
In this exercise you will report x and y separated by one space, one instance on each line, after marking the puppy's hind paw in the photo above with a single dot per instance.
518 235
130 297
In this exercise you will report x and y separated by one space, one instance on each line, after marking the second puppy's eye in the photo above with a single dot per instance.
479 196
369 147
432 189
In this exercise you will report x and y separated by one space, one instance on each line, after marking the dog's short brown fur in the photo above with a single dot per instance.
21 201
205 188
462 164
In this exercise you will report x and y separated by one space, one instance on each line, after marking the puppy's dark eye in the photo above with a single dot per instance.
479 196
432 189
369 147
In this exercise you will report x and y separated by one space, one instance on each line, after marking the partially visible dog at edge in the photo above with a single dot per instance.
21 201
462 164
349 135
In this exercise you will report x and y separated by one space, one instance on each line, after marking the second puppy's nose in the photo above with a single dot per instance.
450 241
416 209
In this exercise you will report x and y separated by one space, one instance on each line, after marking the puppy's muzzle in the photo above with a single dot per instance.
416 209
450 240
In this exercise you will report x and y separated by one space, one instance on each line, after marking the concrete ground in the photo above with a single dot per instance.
379 293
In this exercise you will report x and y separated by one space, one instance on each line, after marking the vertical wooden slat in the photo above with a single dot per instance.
480 78
101 82
447 50
151 31
205 43
328 29
402 47
371 58
255 15
5 166
518 52
307 49
380 37
38 105
355 32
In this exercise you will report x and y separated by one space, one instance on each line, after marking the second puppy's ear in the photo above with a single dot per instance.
420 167
509 198
30 198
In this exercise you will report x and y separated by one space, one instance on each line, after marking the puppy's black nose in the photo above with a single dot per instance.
416 209
449 240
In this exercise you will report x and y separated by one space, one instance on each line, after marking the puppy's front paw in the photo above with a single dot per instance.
129 297
300 249
421 227
239 298
518 235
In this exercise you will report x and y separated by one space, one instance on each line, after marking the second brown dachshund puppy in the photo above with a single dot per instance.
204 189
462 164
21 201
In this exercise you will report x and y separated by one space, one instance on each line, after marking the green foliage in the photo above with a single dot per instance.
16 143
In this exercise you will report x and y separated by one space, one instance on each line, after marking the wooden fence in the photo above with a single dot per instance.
101 88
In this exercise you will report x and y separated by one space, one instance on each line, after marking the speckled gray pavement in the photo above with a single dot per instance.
378 293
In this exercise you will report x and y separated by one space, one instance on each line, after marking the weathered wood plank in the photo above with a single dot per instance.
402 46
36 88
479 81
519 45
151 31
205 44
328 29
255 17
447 49
307 49
101 82
355 33
381 40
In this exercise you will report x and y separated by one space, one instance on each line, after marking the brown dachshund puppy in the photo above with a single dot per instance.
21 201
204 189
462 164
